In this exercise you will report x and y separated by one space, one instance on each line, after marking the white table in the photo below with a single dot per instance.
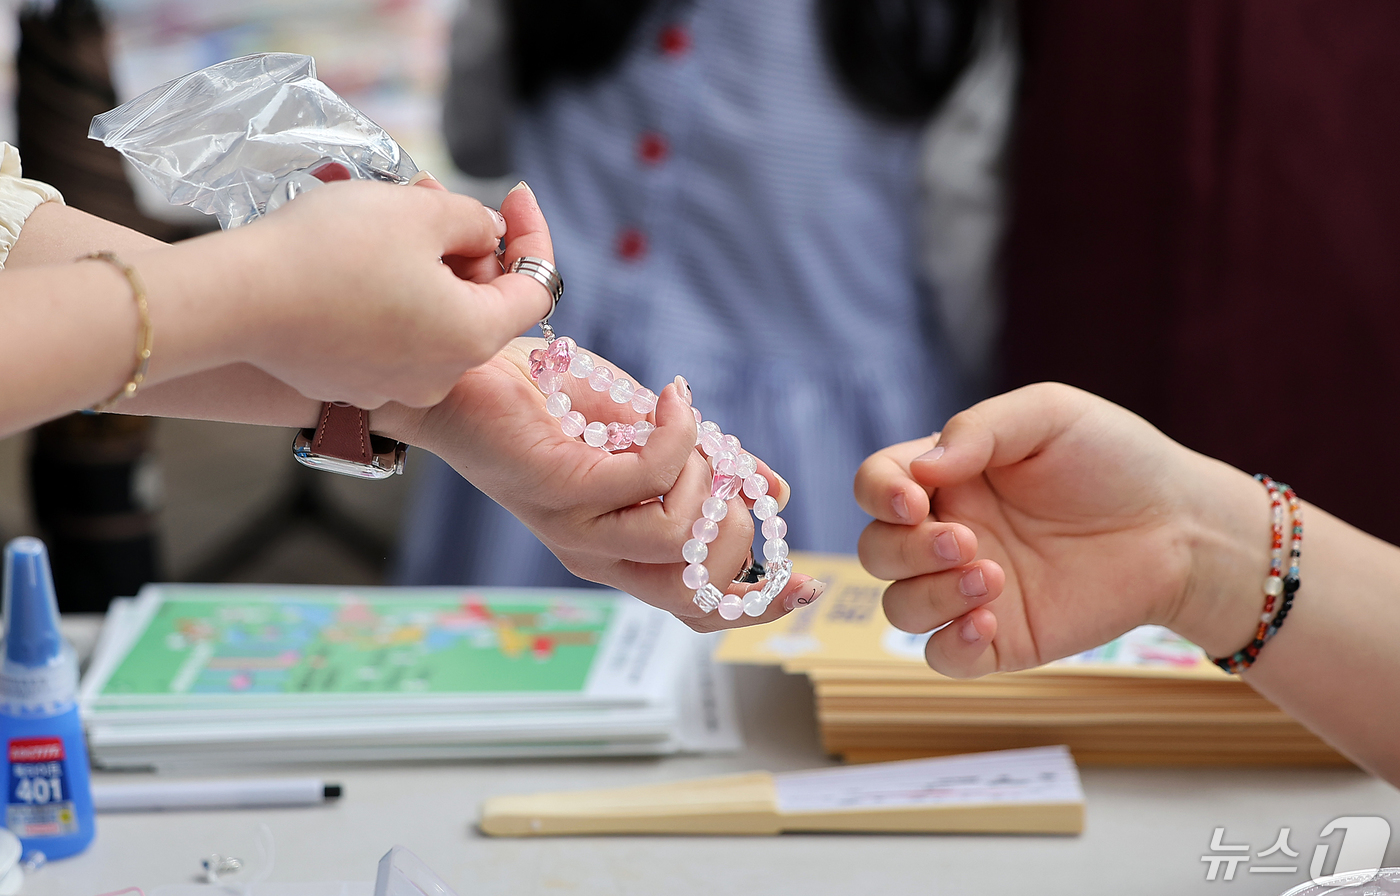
1145 834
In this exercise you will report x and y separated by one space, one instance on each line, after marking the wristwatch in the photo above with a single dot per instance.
342 443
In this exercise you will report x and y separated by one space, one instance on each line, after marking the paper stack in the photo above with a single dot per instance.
1147 698
207 675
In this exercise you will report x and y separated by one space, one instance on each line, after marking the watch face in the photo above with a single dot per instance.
382 465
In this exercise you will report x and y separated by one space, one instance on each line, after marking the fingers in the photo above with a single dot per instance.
464 226
923 603
891 551
997 432
527 234
964 649
628 477
885 488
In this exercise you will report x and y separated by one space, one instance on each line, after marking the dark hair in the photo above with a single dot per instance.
899 58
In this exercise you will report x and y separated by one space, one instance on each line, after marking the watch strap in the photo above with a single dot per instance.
343 432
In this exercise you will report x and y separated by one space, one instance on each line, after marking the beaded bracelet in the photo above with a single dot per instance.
1276 584
733 470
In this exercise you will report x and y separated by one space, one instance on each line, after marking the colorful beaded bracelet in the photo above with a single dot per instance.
1276 584
733 470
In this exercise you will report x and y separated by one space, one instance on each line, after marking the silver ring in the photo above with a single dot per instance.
545 274
752 571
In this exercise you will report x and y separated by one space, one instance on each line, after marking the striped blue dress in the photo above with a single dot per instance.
722 209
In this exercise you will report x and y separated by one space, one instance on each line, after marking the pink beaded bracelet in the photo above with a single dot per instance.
733 471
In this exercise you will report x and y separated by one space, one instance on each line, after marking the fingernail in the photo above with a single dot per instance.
946 544
973 583
901 507
683 388
968 632
932 454
420 176
784 493
521 186
805 595
500 222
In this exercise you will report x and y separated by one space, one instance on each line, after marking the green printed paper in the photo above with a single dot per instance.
309 641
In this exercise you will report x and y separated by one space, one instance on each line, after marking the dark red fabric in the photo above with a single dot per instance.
1206 229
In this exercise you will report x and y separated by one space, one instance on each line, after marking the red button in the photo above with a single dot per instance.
631 244
652 148
674 40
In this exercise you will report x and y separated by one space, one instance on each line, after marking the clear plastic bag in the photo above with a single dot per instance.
240 138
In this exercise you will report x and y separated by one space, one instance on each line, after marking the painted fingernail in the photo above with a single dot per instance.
805 595
932 454
784 493
900 504
973 583
946 544
683 388
500 222
968 631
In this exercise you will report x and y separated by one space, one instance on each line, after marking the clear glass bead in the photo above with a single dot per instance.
705 530
733 443
581 366
536 363
572 423
775 549
622 390
550 381
558 404
712 426
755 486
601 379
560 354
754 603
714 509
731 607
774 527
765 507
748 465
725 485
695 551
595 434
709 442
695 576
641 432
776 575
708 598
644 401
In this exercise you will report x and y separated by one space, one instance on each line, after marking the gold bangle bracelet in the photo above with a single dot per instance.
145 337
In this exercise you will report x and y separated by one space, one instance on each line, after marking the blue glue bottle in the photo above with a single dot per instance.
48 799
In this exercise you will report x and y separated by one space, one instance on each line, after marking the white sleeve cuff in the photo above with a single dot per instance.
18 199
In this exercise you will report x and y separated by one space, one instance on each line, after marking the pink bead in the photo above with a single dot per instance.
709 442
699 418
732 442
714 509
560 354
572 423
582 366
755 486
712 426
725 463
600 380
765 507
537 364
644 401
774 527
595 434
620 436
550 381
731 607
748 465
641 432
705 530
696 576
725 485
558 404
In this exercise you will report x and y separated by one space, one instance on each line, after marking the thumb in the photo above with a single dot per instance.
998 432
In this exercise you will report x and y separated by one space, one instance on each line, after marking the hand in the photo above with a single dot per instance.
598 512
351 299
1086 517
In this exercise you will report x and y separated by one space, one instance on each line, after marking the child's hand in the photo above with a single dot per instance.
1085 518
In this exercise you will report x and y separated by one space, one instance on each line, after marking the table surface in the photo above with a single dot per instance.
1146 829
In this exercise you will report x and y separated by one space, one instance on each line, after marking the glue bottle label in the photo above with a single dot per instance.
39 804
